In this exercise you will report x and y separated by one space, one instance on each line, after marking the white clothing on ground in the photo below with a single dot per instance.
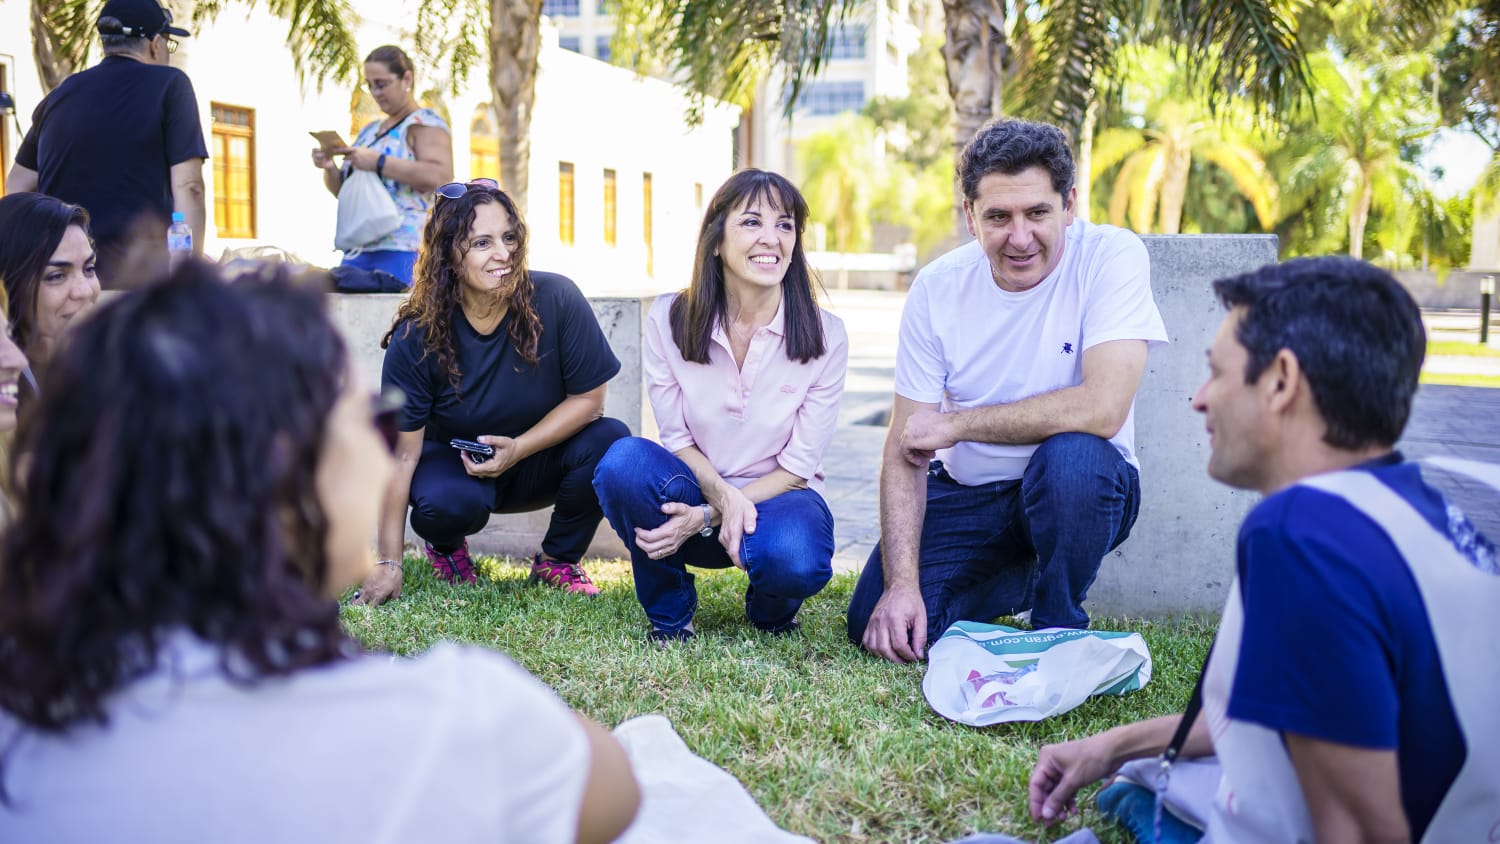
456 745
967 343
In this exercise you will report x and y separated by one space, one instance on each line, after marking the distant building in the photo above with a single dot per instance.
615 216
868 56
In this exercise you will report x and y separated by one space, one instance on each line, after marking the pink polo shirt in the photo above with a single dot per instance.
747 421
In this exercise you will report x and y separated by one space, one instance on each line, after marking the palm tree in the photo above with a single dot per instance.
1151 184
842 172
320 35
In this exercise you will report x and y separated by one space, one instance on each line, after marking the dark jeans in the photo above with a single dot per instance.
788 558
448 504
998 548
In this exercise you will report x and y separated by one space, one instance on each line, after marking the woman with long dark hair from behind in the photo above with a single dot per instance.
47 265
172 667
745 373
490 352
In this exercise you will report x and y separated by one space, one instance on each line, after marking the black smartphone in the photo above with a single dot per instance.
477 452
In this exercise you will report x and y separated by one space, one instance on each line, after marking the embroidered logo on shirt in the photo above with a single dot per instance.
1067 348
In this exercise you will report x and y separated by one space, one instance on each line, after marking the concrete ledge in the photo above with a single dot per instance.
365 318
1180 554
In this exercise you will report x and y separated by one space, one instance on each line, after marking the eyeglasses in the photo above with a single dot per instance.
453 190
378 85
385 412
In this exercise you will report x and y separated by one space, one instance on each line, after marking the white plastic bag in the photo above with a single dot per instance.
685 797
982 674
366 211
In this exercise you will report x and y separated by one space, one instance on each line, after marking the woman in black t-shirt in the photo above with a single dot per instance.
490 352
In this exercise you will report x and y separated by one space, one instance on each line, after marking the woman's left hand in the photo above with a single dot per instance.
507 454
361 158
683 522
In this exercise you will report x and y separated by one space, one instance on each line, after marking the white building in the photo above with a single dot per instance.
617 177
868 57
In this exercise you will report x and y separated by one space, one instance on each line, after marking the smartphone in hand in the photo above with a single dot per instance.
477 452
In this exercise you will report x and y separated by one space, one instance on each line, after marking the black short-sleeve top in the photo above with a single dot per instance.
500 394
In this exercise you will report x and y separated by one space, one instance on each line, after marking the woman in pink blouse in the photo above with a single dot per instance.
745 372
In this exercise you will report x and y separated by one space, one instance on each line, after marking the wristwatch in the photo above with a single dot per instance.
708 529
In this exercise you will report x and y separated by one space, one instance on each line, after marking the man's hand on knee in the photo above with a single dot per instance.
897 629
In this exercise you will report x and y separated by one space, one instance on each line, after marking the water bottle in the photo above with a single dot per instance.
179 240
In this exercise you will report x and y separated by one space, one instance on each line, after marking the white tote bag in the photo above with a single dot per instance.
982 674
366 211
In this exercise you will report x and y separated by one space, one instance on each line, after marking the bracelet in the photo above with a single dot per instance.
396 563
380 173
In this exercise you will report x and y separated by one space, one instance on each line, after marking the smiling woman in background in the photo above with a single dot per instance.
47 265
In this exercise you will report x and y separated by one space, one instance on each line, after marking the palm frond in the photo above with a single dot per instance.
320 36
66 29
1074 42
1242 49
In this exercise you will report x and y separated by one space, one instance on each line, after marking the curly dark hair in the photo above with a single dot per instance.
705 303
1006 145
1356 332
31 227
434 303
170 487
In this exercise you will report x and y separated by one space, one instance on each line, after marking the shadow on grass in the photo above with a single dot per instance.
833 743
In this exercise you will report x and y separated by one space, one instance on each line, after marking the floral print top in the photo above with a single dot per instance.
412 203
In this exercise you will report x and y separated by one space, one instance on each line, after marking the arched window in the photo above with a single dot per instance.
484 144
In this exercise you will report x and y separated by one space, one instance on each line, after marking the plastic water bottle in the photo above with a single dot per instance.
179 240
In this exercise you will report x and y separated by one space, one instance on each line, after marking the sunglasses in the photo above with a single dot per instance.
453 190
385 411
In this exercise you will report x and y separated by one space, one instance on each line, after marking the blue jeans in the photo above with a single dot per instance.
788 558
998 548
397 263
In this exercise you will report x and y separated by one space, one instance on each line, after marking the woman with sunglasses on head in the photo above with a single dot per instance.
173 634
492 353
47 265
745 373
411 151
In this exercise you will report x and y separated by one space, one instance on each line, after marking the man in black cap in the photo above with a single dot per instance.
124 140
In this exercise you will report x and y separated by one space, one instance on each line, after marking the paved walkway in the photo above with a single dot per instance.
1451 421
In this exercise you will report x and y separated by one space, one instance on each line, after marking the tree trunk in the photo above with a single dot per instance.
1086 159
975 58
52 63
515 42
1178 158
1360 215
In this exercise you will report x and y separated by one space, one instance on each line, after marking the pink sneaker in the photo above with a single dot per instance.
453 567
569 577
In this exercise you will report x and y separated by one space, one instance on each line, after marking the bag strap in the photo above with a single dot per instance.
1189 714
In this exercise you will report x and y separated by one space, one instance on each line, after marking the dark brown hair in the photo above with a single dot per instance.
704 302
395 60
434 304
182 426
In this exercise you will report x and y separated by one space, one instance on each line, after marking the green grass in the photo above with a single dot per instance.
1460 349
1459 379
832 743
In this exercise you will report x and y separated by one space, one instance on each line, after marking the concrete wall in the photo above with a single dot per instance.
364 319
1180 555
1458 289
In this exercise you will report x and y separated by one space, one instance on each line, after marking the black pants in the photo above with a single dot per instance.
448 504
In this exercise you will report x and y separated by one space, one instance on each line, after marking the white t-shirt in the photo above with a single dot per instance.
966 343
457 745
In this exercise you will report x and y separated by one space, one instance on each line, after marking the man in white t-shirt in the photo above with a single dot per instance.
1019 359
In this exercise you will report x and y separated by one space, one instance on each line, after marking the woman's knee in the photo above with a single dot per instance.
600 435
794 558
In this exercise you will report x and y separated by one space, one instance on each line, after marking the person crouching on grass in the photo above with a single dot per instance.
489 351
745 373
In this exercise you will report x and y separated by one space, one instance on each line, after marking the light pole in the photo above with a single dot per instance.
1486 291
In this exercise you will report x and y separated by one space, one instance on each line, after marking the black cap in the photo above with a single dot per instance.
139 18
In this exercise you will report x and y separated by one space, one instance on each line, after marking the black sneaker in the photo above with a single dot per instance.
668 638
790 628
